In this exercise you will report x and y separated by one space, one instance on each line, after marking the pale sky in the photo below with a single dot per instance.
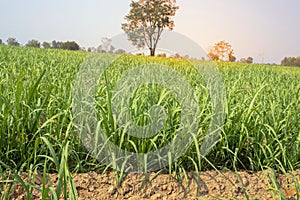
267 30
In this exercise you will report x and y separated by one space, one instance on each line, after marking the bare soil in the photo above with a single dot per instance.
212 185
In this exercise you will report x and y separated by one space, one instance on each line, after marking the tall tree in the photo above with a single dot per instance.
33 43
12 42
146 21
1 42
222 51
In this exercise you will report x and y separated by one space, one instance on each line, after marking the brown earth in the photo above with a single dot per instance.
213 185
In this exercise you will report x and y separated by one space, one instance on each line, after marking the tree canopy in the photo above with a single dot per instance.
56 45
33 43
46 45
12 42
248 60
222 51
70 45
291 61
146 21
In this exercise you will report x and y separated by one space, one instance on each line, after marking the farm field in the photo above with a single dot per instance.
260 136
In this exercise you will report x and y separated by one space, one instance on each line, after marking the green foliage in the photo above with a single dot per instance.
70 45
37 94
37 128
35 99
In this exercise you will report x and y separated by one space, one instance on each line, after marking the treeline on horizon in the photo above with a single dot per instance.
69 45
107 48
291 61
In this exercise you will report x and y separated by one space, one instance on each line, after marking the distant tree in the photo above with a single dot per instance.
12 42
70 45
243 60
231 57
99 50
248 60
120 51
56 45
222 51
186 56
106 46
164 55
46 45
146 21
297 62
93 49
1 42
177 55
33 43
291 61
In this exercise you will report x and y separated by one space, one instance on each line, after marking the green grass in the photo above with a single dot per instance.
261 129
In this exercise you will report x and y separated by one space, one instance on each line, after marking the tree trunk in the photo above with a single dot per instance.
152 52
